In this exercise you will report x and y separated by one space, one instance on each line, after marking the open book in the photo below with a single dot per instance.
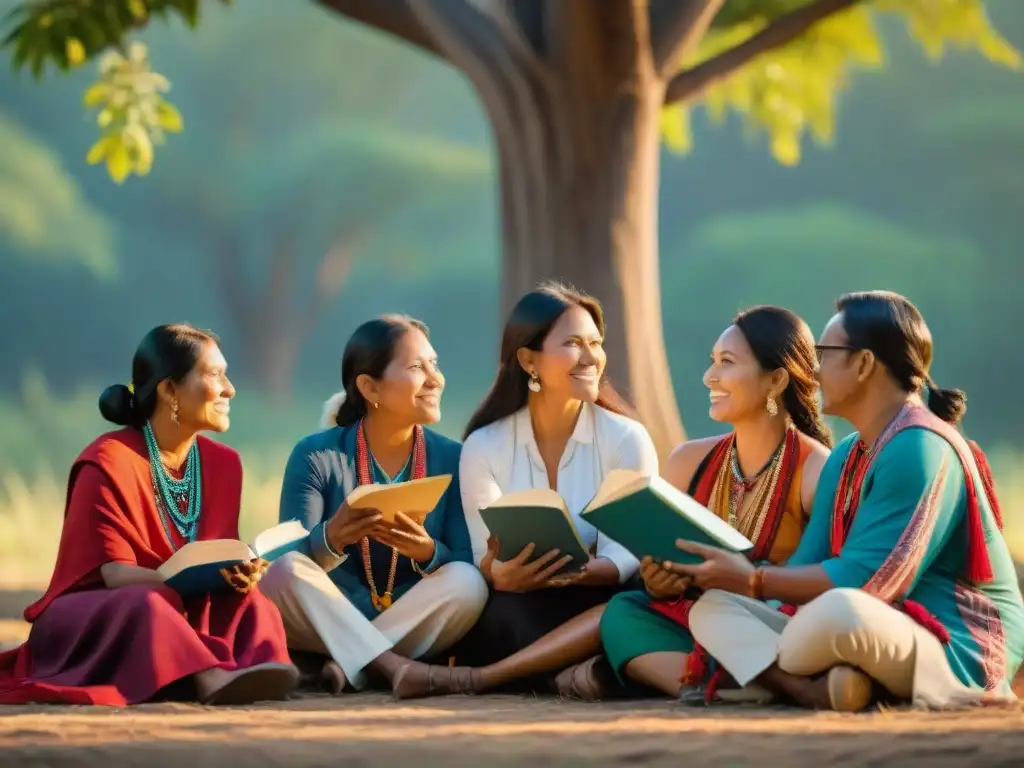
414 498
195 568
537 516
647 514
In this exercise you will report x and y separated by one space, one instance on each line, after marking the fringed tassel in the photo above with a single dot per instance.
979 567
926 619
988 481
696 667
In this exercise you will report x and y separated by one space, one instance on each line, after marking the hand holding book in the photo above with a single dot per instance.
407 536
520 574
716 568
350 524
661 583
242 577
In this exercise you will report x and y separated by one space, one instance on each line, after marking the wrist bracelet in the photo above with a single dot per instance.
327 544
756 584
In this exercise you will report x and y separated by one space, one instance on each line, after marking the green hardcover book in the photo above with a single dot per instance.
647 514
537 516
195 568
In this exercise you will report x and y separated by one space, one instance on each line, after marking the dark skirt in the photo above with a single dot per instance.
513 620
125 646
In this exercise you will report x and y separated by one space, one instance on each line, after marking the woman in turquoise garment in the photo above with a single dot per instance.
364 594
903 577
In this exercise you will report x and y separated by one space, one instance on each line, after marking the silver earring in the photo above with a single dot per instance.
174 414
771 406
534 383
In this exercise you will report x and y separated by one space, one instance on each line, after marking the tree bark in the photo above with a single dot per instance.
577 135
588 216
579 185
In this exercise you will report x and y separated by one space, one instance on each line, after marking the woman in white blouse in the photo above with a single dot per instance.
551 420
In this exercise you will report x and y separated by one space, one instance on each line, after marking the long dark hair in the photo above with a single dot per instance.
781 339
527 327
166 352
893 329
369 351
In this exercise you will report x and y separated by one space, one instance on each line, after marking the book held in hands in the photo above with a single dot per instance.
645 514
195 568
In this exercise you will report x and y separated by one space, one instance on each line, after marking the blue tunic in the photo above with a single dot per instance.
908 542
321 472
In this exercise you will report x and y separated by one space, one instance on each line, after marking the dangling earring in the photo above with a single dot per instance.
771 406
534 383
174 414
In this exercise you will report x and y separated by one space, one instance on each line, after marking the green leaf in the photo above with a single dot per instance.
97 94
168 118
75 51
119 163
792 90
98 151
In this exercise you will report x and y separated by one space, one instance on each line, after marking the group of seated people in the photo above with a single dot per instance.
879 572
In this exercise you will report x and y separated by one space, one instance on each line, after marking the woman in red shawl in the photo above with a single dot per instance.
108 631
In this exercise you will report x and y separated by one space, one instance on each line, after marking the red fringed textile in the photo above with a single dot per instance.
679 610
926 619
987 481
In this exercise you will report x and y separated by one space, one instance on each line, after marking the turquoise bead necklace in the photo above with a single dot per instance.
180 500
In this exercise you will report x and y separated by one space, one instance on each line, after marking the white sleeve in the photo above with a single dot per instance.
635 451
479 489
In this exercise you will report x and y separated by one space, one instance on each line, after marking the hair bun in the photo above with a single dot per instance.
950 405
116 405
329 417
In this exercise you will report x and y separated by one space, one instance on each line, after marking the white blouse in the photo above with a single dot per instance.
503 458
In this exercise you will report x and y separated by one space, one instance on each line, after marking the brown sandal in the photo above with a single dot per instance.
332 678
416 680
582 682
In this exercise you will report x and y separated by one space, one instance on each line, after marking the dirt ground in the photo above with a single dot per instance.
371 729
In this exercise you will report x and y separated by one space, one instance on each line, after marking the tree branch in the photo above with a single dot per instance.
694 82
677 26
395 17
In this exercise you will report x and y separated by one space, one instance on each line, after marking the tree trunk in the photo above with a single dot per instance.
271 357
579 193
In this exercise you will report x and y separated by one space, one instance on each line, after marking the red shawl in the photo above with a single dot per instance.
125 526
701 488
978 567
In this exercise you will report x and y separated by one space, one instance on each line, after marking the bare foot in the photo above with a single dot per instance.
416 680
332 678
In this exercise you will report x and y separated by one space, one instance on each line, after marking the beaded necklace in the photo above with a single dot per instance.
179 502
364 476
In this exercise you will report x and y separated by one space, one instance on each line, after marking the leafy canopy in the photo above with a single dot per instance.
791 91
786 92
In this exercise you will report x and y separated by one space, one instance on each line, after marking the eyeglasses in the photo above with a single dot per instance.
819 349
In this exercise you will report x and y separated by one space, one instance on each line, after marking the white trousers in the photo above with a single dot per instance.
842 626
431 616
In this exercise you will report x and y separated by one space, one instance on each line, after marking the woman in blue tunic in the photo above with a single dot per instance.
365 594
903 577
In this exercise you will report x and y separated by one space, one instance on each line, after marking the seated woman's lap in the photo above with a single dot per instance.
512 620
631 628
142 638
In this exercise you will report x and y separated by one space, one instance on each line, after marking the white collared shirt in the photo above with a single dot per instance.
503 458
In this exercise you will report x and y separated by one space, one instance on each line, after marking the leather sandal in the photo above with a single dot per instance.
416 680
849 689
582 682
